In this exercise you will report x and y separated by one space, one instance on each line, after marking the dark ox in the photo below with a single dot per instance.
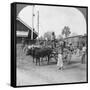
40 53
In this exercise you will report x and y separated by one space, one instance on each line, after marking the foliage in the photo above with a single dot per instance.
66 31
60 37
49 35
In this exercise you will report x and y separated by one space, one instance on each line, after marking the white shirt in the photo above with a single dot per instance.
84 49
60 61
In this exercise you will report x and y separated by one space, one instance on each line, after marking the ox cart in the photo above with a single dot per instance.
38 53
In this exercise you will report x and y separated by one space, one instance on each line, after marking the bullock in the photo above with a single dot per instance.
40 53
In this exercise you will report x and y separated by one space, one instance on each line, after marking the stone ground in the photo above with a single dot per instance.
30 74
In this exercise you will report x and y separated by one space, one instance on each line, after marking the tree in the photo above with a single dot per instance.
48 35
60 37
66 31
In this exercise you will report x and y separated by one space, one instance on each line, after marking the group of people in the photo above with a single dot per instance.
66 52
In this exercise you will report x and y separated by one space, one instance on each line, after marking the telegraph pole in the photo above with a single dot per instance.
38 23
32 22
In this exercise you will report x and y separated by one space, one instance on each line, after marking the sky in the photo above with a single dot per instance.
53 18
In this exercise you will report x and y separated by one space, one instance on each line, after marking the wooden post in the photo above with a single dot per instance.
38 23
32 22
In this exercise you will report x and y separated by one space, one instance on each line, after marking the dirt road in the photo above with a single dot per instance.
30 74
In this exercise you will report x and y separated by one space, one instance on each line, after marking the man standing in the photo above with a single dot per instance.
53 40
83 54
60 60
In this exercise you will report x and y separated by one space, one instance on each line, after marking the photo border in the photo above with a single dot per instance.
13 43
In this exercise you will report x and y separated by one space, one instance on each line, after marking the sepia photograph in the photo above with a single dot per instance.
51 44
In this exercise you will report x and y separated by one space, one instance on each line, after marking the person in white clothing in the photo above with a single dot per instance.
60 61
83 54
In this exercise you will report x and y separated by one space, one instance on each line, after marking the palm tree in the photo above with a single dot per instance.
66 31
